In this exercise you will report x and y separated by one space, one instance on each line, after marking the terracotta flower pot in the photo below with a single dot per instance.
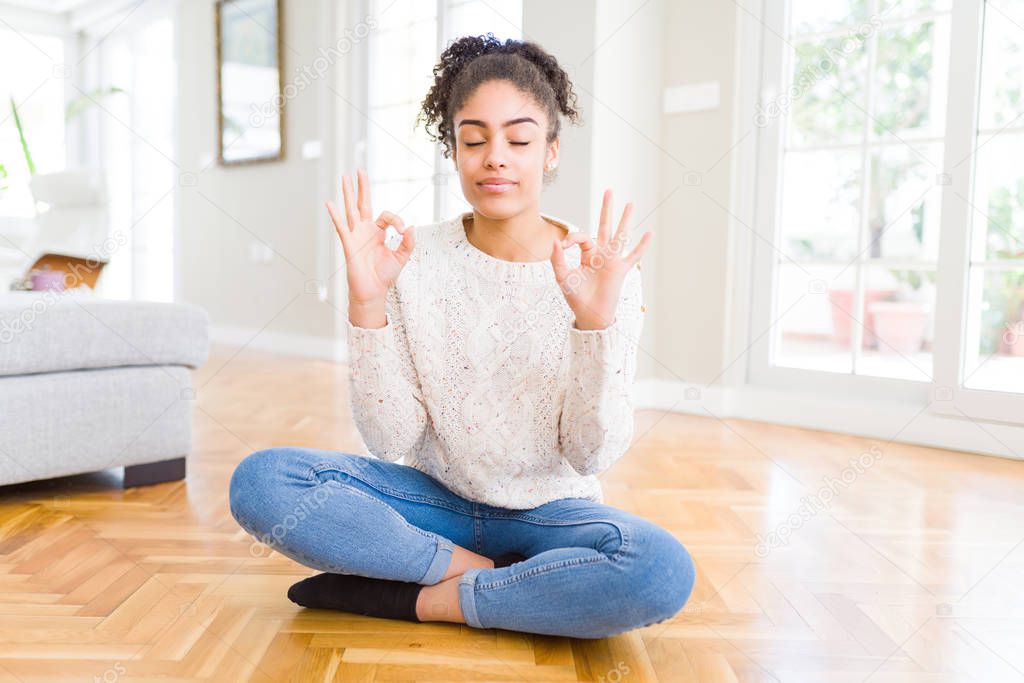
900 325
842 324
1012 342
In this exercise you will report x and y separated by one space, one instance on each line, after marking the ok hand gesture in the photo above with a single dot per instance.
592 290
372 266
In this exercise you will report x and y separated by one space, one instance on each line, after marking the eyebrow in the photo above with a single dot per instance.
478 122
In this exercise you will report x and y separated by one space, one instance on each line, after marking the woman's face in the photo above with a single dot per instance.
500 134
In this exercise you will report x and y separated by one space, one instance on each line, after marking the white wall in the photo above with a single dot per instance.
693 253
627 58
276 206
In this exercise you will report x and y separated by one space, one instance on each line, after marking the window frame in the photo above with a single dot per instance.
945 395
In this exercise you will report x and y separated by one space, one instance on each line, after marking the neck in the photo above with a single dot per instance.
523 237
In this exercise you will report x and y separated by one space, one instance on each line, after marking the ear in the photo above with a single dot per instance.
552 155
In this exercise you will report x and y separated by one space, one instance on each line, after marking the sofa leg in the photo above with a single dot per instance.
154 472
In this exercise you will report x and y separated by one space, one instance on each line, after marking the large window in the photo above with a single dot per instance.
408 174
890 197
135 134
861 188
994 344
30 76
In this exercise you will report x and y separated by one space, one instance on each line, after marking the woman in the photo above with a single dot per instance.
498 360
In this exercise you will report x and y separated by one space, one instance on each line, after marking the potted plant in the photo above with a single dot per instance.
842 309
901 319
885 178
1013 335
1003 315
842 299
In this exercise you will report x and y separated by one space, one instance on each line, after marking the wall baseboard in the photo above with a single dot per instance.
307 346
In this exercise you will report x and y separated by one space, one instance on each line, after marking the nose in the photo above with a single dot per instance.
494 159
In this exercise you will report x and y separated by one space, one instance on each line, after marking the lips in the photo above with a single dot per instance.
496 184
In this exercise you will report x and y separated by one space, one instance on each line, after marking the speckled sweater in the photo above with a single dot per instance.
480 379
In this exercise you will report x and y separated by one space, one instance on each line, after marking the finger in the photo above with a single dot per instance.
364 195
339 227
606 214
585 241
558 262
387 218
350 207
639 249
622 234
405 249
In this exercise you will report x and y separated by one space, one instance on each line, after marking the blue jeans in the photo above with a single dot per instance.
592 570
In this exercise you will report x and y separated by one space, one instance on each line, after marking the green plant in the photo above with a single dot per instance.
1005 210
1004 296
1009 296
1004 290
3 176
21 136
914 278
82 103
74 108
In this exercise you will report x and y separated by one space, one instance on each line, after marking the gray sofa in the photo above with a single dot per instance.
88 384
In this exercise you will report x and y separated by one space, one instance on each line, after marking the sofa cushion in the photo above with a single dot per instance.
57 331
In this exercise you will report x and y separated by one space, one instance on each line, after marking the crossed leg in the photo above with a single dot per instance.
592 571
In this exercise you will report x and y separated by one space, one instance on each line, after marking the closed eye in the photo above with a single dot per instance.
475 144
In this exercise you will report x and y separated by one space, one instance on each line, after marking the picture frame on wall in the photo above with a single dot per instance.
250 82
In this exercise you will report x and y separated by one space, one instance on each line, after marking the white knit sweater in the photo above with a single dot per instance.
480 379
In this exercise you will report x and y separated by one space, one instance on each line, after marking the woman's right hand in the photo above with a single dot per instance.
372 266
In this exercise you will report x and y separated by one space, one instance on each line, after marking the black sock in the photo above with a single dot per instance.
358 595
507 559
368 596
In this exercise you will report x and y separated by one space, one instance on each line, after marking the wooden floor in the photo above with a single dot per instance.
906 567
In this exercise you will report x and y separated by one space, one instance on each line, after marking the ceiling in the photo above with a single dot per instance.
51 6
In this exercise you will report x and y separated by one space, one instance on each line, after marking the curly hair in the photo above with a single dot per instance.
471 61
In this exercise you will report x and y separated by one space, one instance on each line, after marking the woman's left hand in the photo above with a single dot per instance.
592 290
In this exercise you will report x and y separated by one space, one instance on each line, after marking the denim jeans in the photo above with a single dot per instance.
592 570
